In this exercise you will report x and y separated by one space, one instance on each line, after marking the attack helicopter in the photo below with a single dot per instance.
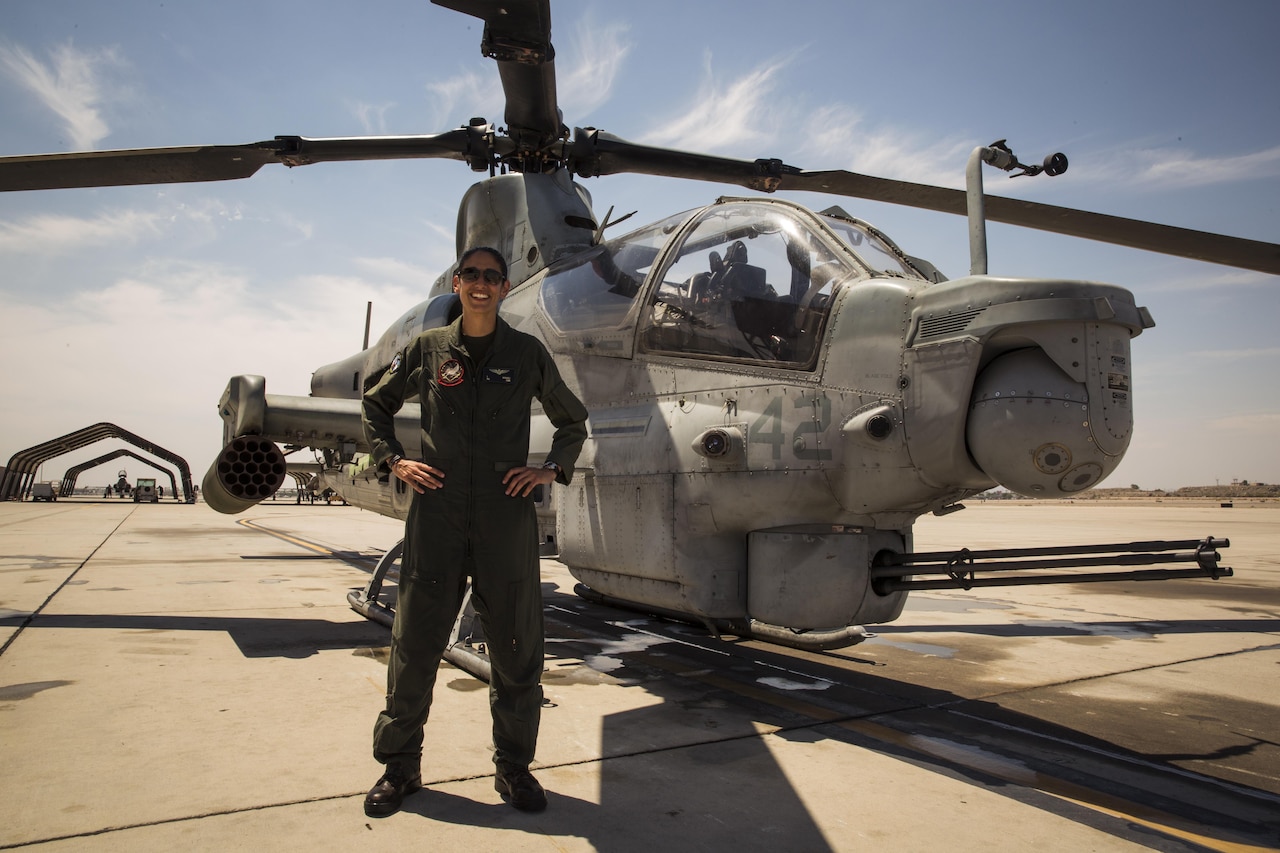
776 394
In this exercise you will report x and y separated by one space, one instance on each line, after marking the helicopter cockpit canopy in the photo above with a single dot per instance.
746 281
595 291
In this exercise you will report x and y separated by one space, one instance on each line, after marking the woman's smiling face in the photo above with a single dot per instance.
480 283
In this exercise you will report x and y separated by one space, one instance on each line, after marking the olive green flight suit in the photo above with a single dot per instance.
475 428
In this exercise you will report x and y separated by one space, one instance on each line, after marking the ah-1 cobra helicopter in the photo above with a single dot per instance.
775 394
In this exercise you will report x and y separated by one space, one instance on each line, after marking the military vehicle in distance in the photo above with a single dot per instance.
145 491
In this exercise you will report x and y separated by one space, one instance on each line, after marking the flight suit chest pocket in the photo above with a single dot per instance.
498 376
499 389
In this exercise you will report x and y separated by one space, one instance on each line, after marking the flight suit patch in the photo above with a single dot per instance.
395 363
499 375
450 373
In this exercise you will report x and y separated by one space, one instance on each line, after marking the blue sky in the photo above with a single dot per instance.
134 305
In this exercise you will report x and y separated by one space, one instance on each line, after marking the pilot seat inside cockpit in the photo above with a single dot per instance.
731 310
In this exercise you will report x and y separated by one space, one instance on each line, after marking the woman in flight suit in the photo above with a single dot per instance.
472 517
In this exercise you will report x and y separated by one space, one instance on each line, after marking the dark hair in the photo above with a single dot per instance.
497 256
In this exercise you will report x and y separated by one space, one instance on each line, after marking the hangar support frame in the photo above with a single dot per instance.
21 471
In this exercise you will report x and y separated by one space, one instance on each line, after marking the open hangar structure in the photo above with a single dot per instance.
20 473
74 472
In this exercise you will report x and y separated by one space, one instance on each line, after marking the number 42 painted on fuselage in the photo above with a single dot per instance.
768 429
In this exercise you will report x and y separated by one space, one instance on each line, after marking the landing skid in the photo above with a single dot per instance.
752 629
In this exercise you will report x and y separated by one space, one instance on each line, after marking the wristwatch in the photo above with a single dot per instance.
553 466
391 462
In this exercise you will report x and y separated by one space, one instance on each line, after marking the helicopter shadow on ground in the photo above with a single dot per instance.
703 749
689 772
715 797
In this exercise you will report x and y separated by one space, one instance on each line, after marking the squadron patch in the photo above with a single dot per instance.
450 373
395 363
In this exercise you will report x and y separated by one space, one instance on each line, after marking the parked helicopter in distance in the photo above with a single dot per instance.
775 394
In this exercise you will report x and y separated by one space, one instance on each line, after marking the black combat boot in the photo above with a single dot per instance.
398 782
520 788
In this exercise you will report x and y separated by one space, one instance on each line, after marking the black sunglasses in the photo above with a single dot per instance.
471 275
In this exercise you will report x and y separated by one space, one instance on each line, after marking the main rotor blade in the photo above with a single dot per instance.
598 153
517 33
228 162
137 166
1134 233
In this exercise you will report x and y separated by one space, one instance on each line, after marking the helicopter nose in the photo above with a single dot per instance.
1036 431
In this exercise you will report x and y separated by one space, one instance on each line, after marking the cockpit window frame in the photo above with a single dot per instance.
761 318
577 296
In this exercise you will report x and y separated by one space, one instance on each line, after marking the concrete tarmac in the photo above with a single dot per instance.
171 678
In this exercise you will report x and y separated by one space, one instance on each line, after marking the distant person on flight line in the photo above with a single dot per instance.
472 517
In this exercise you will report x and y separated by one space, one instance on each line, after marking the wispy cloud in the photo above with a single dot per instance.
1247 424
1215 278
166 217
209 320
1137 164
727 113
748 111
373 117
438 246
59 233
70 84
412 278
599 51
458 99
1178 169
838 136
91 250
1253 355
347 297
188 311
440 231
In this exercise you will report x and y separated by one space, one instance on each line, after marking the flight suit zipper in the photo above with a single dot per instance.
471 466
